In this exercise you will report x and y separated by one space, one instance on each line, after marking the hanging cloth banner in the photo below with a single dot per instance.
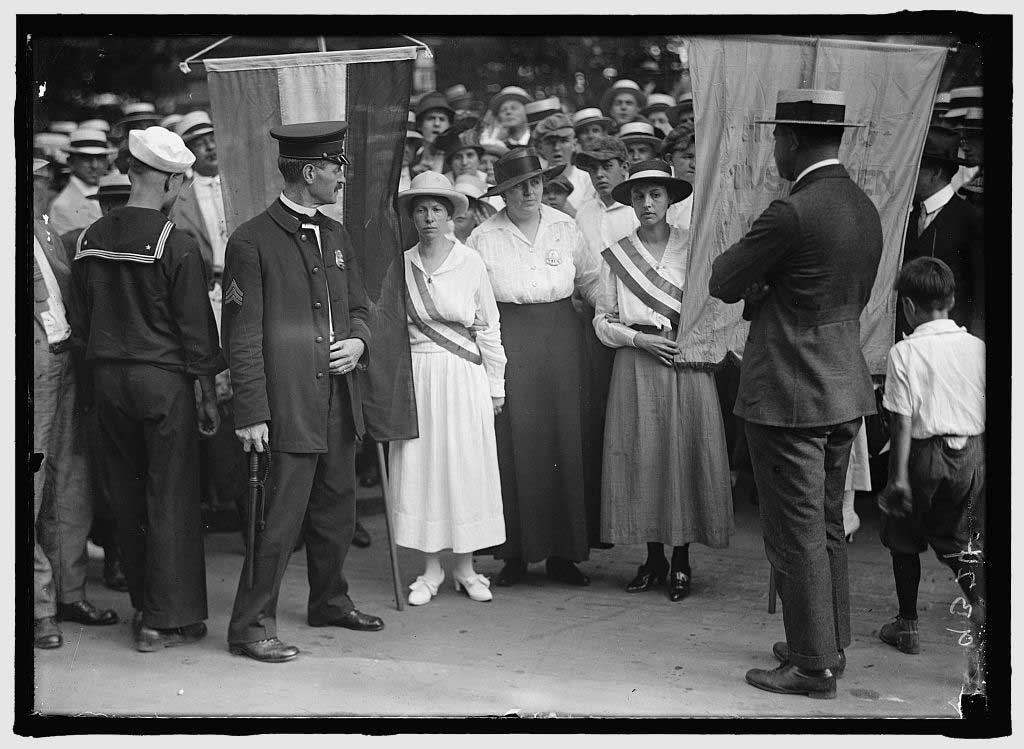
370 90
736 79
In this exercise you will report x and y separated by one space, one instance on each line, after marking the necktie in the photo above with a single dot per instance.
922 220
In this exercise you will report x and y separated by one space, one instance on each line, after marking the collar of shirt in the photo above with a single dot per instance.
207 181
548 217
815 165
936 327
83 188
455 258
292 205
600 206
938 200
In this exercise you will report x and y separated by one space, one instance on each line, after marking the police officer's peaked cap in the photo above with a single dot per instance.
312 140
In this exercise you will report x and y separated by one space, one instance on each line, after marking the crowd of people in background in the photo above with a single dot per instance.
544 297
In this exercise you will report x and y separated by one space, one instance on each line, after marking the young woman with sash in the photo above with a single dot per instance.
666 467
446 483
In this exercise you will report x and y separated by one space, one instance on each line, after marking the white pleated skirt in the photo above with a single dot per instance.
447 492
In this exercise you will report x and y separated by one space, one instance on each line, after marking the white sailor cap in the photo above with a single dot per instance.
161 149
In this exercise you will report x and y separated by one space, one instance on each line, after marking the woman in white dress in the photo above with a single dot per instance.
446 483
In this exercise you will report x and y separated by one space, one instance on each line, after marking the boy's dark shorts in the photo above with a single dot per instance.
948 488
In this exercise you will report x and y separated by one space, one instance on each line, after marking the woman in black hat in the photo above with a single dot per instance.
666 467
535 258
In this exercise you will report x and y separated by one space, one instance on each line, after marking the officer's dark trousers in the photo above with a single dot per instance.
318 488
800 475
149 470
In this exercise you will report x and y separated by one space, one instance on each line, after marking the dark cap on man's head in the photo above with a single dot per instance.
602 148
312 140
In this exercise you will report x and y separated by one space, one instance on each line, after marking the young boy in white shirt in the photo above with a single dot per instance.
935 393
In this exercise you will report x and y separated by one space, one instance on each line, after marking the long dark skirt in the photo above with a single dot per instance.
540 433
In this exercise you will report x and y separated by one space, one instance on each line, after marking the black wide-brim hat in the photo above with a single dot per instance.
657 171
519 165
942 144
811 106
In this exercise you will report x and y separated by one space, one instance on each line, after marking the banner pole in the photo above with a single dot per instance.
322 43
385 486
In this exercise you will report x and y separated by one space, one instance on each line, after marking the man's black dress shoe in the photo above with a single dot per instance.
788 679
678 585
565 571
513 572
150 639
361 537
47 633
269 651
647 578
83 612
353 620
113 572
781 651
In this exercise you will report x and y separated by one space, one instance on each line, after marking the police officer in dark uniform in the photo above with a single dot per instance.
294 327
149 333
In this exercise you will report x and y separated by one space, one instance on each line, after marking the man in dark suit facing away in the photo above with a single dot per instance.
805 269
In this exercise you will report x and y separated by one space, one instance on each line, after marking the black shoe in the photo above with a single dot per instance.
564 571
353 620
781 651
370 478
788 679
513 572
47 634
113 573
268 651
678 585
647 578
150 639
361 537
83 612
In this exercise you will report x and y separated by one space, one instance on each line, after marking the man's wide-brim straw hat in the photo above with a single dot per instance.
432 185
658 172
811 106
519 165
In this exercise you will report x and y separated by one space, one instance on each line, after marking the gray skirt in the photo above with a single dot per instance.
666 464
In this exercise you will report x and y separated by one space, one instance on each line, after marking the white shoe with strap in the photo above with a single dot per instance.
423 589
476 587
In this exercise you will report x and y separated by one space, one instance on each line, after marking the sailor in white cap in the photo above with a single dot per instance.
146 350
89 158
200 211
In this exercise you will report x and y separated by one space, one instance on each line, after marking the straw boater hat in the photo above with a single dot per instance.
170 121
640 132
538 110
194 125
810 106
942 144
941 102
658 103
139 112
52 144
64 127
519 165
433 100
623 86
38 165
458 96
159 148
652 170
683 105
591 116
113 185
88 142
964 98
434 185
973 120
95 124
509 92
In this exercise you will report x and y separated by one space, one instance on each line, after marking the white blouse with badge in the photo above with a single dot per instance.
545 270
617 307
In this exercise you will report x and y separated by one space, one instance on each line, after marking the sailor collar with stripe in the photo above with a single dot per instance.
456 258
548 217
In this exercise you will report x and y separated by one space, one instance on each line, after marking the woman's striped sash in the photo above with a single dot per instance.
452 336
652 288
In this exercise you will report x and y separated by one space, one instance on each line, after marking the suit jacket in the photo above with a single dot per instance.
275 328
818 250
188 217
955 236
73 210
60 264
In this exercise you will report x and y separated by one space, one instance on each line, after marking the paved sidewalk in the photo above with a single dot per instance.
538 648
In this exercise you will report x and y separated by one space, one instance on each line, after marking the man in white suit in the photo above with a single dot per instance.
89 159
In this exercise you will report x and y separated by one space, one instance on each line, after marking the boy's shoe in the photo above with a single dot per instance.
902 634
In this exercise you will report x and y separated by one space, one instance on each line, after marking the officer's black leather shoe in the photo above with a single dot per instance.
47 633
83 612
271 650
781 651
565 571
353 620
149 639
113 572
789 679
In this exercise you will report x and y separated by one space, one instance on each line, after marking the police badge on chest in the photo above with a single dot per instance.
553 258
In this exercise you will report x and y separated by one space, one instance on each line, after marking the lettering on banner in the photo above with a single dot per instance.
973 677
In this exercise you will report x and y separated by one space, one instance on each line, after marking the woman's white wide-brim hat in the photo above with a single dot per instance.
436 185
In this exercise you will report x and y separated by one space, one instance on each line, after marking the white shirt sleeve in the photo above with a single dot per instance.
898 397
609 330
488 335
588 268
